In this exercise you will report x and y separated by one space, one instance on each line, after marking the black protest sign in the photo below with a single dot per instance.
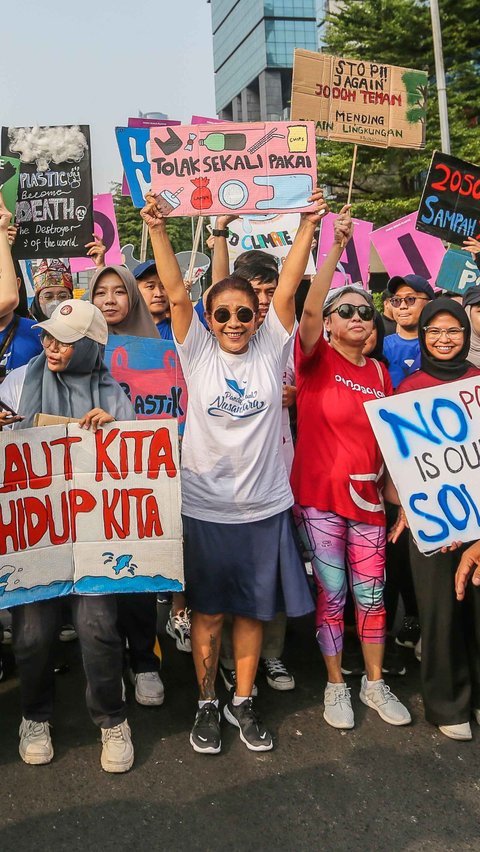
450 205
54 210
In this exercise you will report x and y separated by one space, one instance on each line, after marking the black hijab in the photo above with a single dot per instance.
455 368
377 351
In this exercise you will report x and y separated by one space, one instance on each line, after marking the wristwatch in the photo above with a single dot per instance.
220 232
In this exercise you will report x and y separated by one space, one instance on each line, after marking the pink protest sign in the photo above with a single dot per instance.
145 123
404 250
258 167
201 119
105 226
353 264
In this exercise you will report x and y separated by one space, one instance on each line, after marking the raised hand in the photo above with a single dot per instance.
151 214
97 251
343 226
5 217
321 208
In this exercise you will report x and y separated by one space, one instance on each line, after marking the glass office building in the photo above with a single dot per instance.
253 43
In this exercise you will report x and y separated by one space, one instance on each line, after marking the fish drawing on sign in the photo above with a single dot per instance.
5 578
121 562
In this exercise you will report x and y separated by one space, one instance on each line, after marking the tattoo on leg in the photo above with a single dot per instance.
207 687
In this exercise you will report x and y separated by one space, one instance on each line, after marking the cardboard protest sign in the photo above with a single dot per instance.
458 272
54 207
352 267
140 147
368 103
9 176
94 513
247 167
149 372
273 234
450 204
429 440
105 227
403 250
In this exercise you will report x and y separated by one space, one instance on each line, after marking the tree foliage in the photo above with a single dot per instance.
388 182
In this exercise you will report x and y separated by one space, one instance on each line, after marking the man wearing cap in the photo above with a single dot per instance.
156 298
409 294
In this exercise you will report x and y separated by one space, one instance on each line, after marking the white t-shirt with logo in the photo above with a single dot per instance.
288 379
232 460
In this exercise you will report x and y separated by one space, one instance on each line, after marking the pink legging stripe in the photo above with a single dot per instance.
336 545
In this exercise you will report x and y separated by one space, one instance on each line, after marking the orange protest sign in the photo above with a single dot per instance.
367 103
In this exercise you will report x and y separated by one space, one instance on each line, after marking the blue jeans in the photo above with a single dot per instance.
35 627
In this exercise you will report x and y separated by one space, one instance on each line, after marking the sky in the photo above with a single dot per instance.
97 63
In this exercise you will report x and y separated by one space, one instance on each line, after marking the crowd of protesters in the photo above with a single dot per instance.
256 504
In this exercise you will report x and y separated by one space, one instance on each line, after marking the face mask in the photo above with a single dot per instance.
50 307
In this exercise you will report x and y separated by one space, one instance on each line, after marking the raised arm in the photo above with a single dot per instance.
220 261
8 280
168 269
311 322
296 261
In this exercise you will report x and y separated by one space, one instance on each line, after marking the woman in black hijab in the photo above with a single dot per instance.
450 655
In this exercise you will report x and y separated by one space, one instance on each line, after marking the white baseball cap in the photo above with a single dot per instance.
74 319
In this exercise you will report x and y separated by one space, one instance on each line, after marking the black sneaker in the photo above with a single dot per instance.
252 731
230 679
205 736
409 633
277 675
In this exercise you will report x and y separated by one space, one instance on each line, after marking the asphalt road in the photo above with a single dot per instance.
373 788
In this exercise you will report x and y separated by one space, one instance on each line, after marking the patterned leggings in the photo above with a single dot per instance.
335 545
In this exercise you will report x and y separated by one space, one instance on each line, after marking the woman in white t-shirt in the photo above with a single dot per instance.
240 554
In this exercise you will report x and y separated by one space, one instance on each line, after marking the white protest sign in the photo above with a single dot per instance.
89 513
272 234
430 442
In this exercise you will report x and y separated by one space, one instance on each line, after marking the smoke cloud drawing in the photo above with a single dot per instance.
45 145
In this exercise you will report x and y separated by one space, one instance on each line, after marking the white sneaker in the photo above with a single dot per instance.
457 732
476 714
149 689
67 633
117 748
35 742
338 707
179 628
418 650
377 695
7 635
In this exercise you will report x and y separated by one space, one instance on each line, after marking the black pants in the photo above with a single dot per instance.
35 627
137 622
398 574
450 639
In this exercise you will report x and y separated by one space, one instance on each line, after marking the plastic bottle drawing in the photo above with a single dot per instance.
224 141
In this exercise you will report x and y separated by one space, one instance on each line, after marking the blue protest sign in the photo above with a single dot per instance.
134 146
429 440
458 272
150 373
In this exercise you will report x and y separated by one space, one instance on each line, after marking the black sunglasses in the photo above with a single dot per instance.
242 314
347 311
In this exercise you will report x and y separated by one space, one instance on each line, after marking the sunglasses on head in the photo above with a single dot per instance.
347 311
242 314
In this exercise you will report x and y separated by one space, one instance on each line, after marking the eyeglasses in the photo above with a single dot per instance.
396 301
435 333
48 342
347 311
242 314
